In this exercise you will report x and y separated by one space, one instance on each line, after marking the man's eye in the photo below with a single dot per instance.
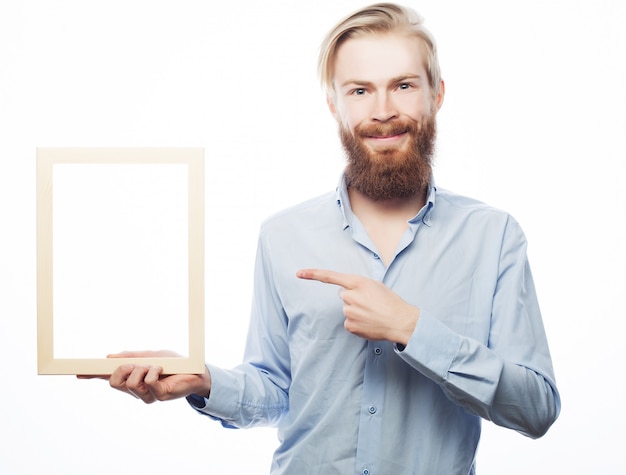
359 92
404 86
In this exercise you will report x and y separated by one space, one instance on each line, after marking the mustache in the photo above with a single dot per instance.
388 129
380 130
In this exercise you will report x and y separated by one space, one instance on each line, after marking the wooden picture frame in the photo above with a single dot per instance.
120 238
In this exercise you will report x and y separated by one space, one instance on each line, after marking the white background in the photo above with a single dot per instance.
534 122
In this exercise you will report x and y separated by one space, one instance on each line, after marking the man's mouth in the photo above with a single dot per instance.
386 139
386 136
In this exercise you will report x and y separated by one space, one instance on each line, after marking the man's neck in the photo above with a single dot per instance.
385 221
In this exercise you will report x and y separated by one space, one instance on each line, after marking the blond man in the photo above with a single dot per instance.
390 316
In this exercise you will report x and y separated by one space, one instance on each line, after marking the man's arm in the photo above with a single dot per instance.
509 380
251 394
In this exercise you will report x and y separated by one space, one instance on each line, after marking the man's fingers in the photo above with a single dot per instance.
153 375
136 378
346 281
137 386
119 377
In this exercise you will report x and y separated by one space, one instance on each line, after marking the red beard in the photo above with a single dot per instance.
394 172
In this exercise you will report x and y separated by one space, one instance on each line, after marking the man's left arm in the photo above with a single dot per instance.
509 381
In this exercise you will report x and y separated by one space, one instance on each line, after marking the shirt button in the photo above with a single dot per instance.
378 351
376 256
372 409
366 471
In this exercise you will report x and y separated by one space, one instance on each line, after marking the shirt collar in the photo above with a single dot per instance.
343 203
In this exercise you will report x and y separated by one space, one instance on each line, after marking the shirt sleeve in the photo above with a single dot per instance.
509 380
255 393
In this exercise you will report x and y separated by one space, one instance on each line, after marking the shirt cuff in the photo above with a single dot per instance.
432 348
196 401
220 404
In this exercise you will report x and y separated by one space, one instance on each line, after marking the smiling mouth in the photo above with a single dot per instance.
387 138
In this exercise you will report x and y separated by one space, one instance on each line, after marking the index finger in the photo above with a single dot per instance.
347 281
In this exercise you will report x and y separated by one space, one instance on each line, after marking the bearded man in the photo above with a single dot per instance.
436 326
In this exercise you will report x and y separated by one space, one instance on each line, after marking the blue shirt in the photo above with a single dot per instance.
345 405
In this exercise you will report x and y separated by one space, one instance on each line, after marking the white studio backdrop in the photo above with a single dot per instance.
533 122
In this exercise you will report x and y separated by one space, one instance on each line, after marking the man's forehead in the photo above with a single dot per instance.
378 56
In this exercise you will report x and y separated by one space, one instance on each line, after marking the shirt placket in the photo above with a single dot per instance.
371 410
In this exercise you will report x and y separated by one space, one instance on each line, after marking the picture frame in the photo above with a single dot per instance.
120 258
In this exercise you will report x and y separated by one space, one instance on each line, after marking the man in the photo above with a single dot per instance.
389 316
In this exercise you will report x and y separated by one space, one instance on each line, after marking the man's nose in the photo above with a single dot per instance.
384 108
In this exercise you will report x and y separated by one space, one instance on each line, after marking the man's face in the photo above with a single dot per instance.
386 113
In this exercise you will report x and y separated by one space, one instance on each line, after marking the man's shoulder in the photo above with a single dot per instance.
317 208
465 204
453 209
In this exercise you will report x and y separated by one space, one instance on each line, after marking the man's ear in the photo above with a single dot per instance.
440 95
331 106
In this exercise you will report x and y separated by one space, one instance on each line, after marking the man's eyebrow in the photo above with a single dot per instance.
404 77
355 82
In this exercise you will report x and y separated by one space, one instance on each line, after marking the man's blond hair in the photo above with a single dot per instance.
381 18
